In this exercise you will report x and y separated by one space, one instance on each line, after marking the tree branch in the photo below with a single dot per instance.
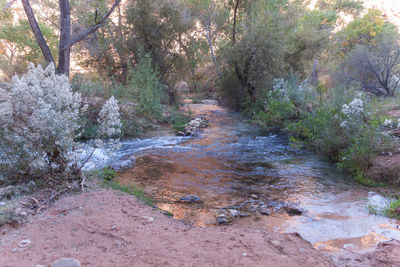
82 35
37 32
9 4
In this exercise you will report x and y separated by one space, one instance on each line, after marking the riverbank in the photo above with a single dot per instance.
106 228
228 168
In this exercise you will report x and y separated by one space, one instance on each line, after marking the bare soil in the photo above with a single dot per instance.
106 228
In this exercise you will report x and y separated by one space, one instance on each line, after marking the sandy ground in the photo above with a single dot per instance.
105 228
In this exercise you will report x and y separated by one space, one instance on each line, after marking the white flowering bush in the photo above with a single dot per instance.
40 118
109 119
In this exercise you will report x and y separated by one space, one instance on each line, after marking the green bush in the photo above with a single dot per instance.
393 211
179 120
107 174
340 123
144 87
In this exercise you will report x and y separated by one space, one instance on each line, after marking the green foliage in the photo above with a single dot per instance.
275 114
334 122
107 174
8 217
145 88
179 120
363 30
393 211
109 179
18 45
132 190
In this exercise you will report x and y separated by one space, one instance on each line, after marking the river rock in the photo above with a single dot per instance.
66 262
192 126
182 87
234 213
190 199
209 102
180 133
293 211
264 211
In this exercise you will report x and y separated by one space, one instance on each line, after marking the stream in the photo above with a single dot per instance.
248 179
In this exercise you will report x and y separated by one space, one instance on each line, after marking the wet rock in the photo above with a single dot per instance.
222 220
192 126
293 211
2 203
190 199
265 211
180 133
66 262
234 213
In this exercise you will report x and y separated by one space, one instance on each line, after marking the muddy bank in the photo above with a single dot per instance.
105 228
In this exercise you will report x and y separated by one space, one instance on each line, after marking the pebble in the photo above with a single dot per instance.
190 199
24 243
66 262
276 243
148 219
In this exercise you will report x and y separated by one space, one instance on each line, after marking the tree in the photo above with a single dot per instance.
66 39
362 30
375 66
165 29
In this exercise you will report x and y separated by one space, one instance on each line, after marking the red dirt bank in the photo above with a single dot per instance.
105 228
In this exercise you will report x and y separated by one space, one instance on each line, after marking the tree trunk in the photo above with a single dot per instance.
208 36
234 21
66 41
37 32
65 38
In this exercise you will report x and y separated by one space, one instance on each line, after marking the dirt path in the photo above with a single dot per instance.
105 228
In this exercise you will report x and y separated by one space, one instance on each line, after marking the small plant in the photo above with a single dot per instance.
179 120
132 190
107 174
393 211
108 178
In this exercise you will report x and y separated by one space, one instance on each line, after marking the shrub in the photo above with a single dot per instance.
144 87
40 118
336 122
179 120
393 210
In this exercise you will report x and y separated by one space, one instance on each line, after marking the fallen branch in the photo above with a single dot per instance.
56 194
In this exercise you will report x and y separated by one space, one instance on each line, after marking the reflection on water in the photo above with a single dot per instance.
228 163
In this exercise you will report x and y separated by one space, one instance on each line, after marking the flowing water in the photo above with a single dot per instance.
231 168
